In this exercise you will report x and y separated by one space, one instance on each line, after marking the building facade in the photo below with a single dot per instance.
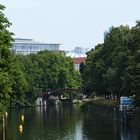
28 46
78 55
78 61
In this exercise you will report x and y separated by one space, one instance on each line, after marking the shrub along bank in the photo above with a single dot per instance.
107 103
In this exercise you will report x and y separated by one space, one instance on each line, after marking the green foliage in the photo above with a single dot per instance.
90 105
94 70
19 83
48 70
5 60
12 80
114 66
82 67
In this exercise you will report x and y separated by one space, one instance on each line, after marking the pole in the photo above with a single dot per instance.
3 127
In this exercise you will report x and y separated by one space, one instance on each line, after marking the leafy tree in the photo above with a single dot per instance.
48 71
19 83
82 67
116 60
94 70
5 60
112 68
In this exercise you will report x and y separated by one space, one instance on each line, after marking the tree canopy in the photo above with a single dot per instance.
48 71
5 60
113 67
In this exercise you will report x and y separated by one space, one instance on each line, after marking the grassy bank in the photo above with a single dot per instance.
89 105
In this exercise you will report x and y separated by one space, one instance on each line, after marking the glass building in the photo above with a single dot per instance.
28 46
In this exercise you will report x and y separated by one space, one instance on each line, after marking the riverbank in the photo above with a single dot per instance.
107 103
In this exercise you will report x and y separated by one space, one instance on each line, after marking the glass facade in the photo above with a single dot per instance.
27 46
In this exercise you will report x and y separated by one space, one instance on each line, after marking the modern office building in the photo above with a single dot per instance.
78 55
28 46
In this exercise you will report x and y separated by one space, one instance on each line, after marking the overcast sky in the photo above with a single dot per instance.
72 23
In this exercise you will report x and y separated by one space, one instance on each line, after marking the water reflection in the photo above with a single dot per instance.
101 127
66 123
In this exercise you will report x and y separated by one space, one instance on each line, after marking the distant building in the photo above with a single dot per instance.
78 55
28 46
78 61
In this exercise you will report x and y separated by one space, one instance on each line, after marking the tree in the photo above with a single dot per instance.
19 83
48 71
116 53
113 68
94 71
82 67
5 60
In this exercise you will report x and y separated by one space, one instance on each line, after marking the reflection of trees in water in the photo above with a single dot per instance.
13 122
0 129
60 120
96 127
66 123
44 123
99 126
128 133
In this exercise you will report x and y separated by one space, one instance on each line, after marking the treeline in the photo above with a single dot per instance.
24 78
46 71
33 74
113 67
29 76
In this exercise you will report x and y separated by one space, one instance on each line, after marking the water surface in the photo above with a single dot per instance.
66 123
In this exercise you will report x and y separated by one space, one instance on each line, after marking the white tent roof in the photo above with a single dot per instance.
77 52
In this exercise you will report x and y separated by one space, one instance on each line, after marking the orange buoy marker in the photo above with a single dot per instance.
20 128
22 118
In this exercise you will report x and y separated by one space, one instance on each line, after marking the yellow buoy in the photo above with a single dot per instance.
20 128
22 118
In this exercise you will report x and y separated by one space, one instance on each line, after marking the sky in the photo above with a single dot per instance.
72 23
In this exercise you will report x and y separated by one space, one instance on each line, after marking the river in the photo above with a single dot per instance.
65 123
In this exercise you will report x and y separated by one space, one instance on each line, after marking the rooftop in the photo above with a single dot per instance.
78 52
30 41
79 60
